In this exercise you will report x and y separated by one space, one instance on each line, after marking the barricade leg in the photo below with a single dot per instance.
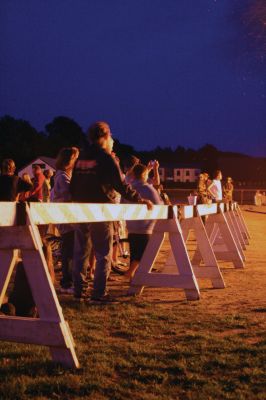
185 279
242 224
237 229
50 329
210 269
234 232
226 248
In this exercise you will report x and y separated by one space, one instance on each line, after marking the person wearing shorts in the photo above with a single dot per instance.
139 232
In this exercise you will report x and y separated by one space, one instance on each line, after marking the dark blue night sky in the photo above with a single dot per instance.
162 72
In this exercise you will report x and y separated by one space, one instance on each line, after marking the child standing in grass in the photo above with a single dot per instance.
139 232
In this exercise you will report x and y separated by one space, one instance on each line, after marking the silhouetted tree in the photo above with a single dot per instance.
63 132
19 140
208 155
180 154
123 150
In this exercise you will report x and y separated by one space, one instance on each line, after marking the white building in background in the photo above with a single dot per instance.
44 162
179 172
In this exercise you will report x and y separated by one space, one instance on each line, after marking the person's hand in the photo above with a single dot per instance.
150 165
148 203
153 164
156 164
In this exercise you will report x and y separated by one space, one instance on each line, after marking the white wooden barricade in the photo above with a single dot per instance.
224 236
113 212
50 329
210 270
180 276
178 270
18 230
233 228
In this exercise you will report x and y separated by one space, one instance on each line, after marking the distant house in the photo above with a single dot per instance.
178 172
44 162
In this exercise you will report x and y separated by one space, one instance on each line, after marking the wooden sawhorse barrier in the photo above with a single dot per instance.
185 279
191 219
178 270
50 329
20 239
227 233
19 231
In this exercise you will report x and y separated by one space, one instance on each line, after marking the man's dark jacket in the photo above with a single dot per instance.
97 176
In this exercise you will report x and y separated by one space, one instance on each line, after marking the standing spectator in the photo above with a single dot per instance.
96 179
128 167
25 195
202 191
38 179
20 299
36 196
10 184
60 193
228 189
215 187
26 177
46 187
258 198
139 232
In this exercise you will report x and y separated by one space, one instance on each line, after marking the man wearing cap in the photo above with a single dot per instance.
96 179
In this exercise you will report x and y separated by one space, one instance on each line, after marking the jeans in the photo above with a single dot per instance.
99 236
67 257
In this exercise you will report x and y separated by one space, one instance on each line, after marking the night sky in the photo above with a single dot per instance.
161 72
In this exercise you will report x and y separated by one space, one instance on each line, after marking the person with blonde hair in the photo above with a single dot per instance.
139 232
60 193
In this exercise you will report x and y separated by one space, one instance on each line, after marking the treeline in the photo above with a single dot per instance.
22 142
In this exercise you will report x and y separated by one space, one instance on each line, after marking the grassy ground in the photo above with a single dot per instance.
158 346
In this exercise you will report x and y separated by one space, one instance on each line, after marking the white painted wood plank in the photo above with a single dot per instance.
32 331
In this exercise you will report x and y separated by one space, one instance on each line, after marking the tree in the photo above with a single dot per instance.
19 140
208 155
63 132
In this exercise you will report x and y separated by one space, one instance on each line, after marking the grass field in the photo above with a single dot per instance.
158 346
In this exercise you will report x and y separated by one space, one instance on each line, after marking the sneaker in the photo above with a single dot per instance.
104 299
118 269
123 264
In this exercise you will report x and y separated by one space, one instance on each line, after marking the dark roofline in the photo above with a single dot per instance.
47 160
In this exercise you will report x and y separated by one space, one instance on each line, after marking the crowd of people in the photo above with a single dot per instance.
93 174
213 190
